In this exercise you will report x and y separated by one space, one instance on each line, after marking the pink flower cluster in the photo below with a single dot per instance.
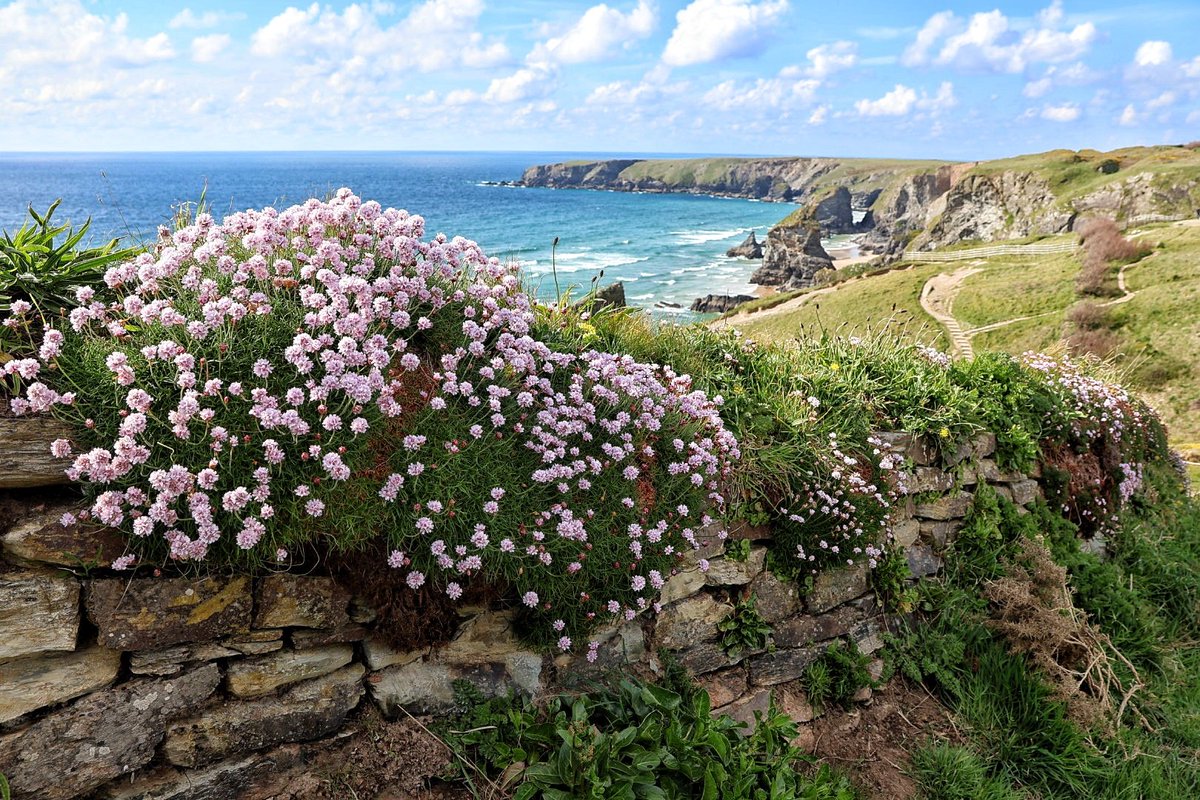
259 363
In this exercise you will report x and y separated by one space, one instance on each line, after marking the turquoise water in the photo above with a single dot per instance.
667 249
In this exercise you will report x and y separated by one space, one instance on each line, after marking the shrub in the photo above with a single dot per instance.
634 740
321 374
837 676
40 273
1089 316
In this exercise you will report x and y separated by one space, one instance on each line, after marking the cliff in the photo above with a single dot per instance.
792 254
922 204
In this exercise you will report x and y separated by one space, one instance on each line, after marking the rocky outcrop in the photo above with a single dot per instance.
834 212
719 303
902 210
750 248
987 207
778 179
1144 197
792 256
611 295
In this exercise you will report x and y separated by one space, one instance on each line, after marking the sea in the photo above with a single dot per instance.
668 249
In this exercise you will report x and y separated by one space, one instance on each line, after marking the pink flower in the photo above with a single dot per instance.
530 599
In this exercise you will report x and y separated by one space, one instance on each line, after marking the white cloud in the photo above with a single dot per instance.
827 59
781 91
1192 68
207 48
897 102
818 116
354 42
208 19
595 34
901 100
524 84
990 41
1067 112
1037 88
934 29
710 30
1162 101
1129 116
43 36
1153 54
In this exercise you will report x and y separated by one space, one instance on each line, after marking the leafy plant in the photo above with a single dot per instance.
837 676
889 580
41 269
744 630
636 740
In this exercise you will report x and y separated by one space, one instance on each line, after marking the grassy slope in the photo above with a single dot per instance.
1072 174
1159 328
892 299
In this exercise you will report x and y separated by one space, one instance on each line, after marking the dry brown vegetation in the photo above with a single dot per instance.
1103 247
1033 609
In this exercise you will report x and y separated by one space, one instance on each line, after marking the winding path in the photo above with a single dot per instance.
937 298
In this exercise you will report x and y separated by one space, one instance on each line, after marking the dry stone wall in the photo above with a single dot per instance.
198 687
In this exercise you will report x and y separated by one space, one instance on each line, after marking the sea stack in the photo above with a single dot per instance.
750 248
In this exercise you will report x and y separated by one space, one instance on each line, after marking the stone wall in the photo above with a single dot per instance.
195 687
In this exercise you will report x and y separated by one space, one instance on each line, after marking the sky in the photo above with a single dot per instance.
789 77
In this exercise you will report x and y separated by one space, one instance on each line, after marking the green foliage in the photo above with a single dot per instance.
38 267
5 791
836 676
737 550
744 630
946 772
1012 403
890 582
635 740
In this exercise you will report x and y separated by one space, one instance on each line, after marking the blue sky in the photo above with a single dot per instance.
901 79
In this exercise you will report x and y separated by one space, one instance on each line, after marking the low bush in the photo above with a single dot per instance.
635 740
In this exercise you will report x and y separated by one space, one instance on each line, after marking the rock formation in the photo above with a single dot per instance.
719 303
792 254
750 248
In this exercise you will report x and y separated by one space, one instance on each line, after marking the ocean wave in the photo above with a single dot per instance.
583 261
646 296
705 236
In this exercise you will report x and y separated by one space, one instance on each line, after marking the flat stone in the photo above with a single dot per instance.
171 660
961 452
681 585
39 537
361 612
807 630
727 572
227 779
939 533
306 711
301 601
725 686
485 637
893 441
1024 492
741 529
983 445
709 656
25 459
425 687
33 682
905 531
743 710
690 621
39 612
793 701
926 479
304 638
781 666
922 561
152 613
256 677
1005 492
832 587
101 736
380 655
953 506
775 599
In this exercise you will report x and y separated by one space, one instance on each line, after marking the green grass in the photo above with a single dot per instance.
1158 330
884 302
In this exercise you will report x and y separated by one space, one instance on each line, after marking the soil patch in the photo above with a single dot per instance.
872 742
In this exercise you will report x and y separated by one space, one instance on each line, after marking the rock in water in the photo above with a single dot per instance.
792 255
719 303
751 248
613 295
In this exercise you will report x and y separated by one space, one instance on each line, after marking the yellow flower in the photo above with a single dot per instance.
944 433
835 366
589 330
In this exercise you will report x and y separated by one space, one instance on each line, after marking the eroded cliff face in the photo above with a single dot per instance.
1144 197
792 255
779 179
1008 205
903 209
